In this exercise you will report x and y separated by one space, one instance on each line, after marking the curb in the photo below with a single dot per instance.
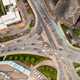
67 40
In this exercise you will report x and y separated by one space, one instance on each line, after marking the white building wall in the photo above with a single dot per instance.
11 16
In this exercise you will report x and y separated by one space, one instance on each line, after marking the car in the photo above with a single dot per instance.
32 43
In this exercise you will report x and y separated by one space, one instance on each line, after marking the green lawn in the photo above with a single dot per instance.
77 32
26 58
49 72
78 72
31 25
2 9
76 65
1 58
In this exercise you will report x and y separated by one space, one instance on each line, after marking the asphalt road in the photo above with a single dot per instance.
42 13
63 53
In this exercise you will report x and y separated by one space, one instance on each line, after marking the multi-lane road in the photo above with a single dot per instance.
61 50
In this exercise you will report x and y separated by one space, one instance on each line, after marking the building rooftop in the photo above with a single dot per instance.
8 2
10 70
12 14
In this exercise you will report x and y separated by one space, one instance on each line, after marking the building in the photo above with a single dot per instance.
11 15
10 70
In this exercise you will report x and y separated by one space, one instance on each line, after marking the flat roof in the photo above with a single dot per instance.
11 16
8 2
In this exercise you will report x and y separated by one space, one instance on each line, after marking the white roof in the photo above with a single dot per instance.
10 18
8 2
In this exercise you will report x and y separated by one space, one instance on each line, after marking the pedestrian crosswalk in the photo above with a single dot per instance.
37 75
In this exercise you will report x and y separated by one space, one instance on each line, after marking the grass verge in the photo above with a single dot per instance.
49 72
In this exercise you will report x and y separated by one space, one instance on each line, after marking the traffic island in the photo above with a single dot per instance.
72 35
48 71
28 59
